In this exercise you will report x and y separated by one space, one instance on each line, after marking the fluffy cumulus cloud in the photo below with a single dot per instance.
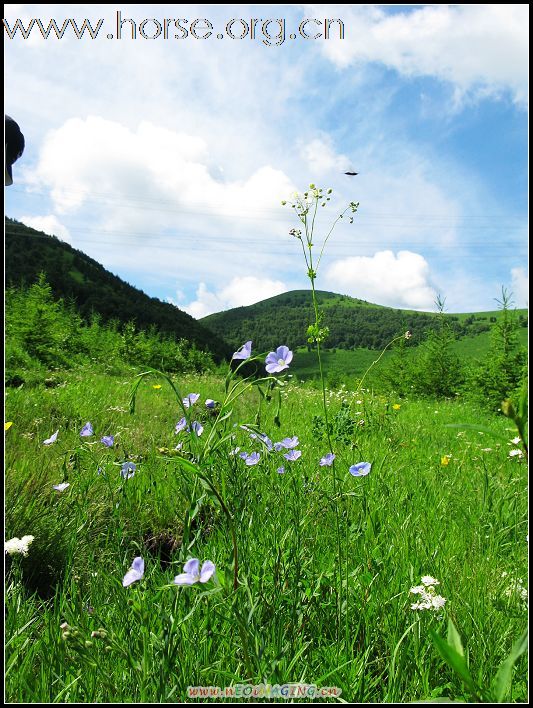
50 224
95 157
401 280
477 48
520 287
239 292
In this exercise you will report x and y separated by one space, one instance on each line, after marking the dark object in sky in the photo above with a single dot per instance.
351 174
14 144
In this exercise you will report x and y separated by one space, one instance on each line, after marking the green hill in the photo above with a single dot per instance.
354 324
74 276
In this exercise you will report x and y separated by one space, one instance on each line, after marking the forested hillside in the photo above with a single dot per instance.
74 276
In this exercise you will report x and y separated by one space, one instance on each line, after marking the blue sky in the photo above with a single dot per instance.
166 159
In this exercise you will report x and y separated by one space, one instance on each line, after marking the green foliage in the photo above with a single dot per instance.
498 689
502 372
44 334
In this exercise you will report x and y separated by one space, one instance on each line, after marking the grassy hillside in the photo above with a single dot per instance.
73 275
354 324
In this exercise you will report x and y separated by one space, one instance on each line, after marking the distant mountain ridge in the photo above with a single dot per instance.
74 275
353 323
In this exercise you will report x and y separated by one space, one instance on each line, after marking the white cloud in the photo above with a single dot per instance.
239 292
475 47
401 280
98 158
520 287
49 224
321 156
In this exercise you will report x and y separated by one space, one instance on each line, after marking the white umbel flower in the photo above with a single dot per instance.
18 545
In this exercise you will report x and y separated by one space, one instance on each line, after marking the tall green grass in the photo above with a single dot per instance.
462 521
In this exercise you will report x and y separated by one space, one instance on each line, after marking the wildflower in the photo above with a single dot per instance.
51 439
293 455
192 573
428 580
361 469
61 487
210 403
245 352
281 470
8 425
156 386
267 442
108 440
251 459
396 407
516 441
429 600
327 460
190 399
289 443
135 573
408 335
198 428
516 453
445 460
86 431
18 545
128 470
234 451
181 425
515 589
279 360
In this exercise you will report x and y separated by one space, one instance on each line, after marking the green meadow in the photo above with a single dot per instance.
314 566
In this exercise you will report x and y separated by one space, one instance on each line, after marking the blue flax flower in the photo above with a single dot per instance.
327 460
279 360
292 455
361 469
128 470
245 352
87 430
192 573
191 399
135 573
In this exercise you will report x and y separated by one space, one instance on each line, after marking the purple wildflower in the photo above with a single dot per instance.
198 428
292 455
61 487
181 425
327 460
210 403
361 469
108 440
51 439
135 573
128 470
87 430
280 470
191 399
245 352
192 573
279 360
252 459
290 443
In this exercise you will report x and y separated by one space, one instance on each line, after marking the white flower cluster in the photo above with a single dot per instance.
429 600
18 545
515 589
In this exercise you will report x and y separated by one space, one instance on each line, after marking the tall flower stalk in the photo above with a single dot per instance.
306 207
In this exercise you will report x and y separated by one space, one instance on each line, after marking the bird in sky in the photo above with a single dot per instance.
351 174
